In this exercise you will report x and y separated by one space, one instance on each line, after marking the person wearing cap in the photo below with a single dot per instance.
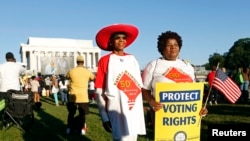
118 84
78 94
10 73
162 69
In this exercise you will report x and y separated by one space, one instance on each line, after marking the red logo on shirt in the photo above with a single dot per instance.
177 75
130 87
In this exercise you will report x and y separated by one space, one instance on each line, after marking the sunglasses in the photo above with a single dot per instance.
120 37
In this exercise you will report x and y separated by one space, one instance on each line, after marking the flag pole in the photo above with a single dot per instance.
210 88
209 91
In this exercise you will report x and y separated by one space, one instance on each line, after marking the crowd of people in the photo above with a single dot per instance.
241 78
51 85
118 88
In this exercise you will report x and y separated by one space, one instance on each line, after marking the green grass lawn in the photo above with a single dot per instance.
50 123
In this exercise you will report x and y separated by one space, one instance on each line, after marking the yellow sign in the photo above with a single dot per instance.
179 119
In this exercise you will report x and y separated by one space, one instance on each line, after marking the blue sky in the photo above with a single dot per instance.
206 27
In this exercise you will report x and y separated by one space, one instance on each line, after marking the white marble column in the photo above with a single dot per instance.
24 60
94 59
33 61
75 55
28 59
39 61
88 60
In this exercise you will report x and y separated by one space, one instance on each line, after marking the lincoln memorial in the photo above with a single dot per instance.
57 55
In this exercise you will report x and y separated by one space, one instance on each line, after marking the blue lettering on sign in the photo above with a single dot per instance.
177 121
179 96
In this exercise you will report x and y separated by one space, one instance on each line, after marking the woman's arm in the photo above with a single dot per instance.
151 100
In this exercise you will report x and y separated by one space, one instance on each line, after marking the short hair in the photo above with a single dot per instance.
9 55
33 77
162 40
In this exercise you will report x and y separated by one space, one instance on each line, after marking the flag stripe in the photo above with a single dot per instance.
230 97
231 87
225 89
226 86
232 90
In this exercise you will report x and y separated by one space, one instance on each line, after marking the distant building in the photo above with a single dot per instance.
200 73
57 55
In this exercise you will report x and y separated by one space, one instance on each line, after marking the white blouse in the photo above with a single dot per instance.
156 70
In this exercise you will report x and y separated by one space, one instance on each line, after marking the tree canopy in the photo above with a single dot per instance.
237 56
215 59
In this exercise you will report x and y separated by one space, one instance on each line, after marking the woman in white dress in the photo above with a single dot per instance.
118 84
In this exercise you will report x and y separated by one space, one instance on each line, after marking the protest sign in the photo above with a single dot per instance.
179 118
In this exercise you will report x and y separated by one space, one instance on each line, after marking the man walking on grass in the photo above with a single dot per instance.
78 95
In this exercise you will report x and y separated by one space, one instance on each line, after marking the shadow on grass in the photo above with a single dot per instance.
94 106
230 109
47 127
48 100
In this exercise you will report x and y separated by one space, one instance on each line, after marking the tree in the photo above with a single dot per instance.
207 66
215 59
239 54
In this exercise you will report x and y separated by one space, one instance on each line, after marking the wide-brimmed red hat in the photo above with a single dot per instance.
103 36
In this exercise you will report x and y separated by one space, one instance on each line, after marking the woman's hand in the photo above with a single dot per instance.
203 112
155 105
151 100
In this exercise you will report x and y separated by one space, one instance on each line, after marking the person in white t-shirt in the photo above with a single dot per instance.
10 73
63 89
162 69
34 89
92 92
118 84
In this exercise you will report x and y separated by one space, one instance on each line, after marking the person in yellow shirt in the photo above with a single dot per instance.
78 95
23 81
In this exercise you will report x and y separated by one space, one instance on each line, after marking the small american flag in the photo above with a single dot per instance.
226 86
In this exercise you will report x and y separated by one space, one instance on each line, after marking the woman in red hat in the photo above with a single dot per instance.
118 84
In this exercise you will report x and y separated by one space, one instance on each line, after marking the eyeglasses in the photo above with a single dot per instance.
172 45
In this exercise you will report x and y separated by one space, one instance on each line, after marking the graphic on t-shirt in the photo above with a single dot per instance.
127 83
177 75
